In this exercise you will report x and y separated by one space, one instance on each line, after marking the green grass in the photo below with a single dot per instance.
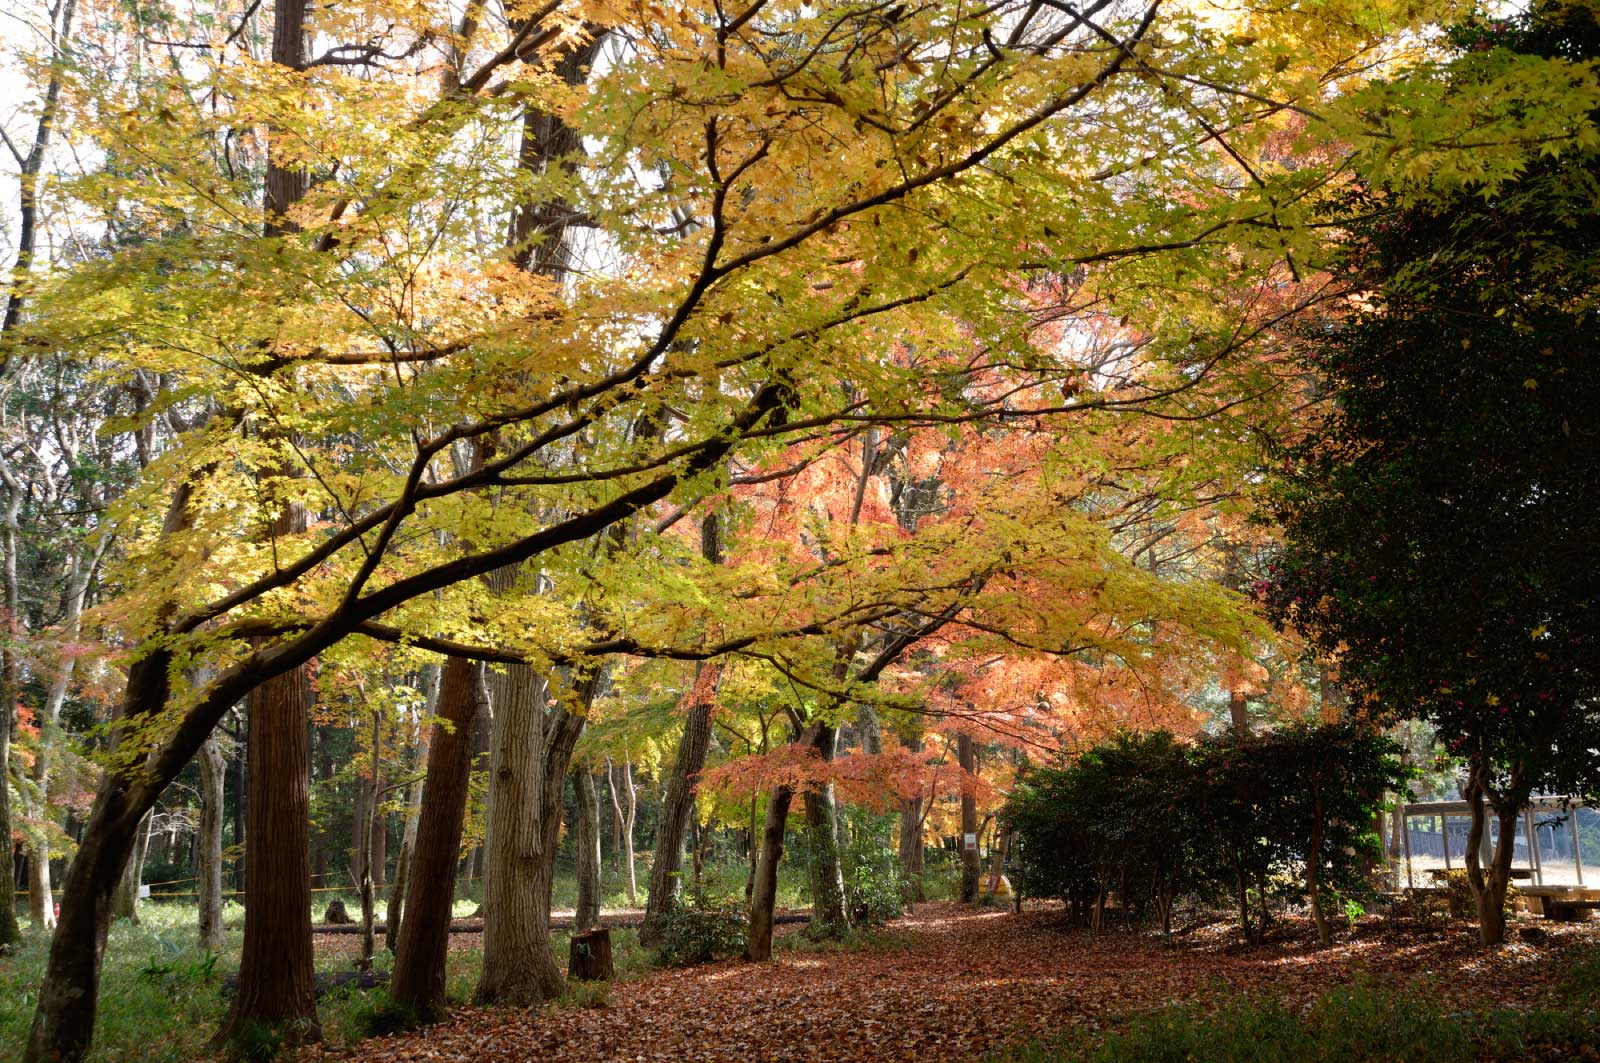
1362 1023
160 998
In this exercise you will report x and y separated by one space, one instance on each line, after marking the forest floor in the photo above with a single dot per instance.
948 983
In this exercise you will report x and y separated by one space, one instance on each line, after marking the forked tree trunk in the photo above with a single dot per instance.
588 844
764 890
1489 885
213 769
971 868
616 815
276 988
519 967
418 979
632 794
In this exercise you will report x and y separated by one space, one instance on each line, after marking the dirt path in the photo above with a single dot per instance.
952 984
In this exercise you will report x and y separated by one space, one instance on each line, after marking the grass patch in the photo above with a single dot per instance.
1362 1023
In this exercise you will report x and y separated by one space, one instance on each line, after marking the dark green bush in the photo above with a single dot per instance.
702 933
1257 818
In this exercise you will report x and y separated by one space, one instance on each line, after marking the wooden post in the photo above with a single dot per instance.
1577 849
1444 838
1533 846
589 957
1405 839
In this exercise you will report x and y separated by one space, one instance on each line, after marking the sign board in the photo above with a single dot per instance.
969 841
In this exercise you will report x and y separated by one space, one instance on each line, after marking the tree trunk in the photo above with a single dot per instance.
678 804
764 892
275 969
41 906
588 913
971 869
764 895
519 967
616 815
627 829
408 835
10 932
830 916
125 901
1489 887
370 829
418 979
213 768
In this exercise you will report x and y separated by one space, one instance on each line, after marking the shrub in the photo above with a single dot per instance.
701 933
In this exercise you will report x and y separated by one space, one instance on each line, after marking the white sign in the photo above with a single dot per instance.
970 841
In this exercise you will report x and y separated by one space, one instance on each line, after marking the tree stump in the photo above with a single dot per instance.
336 915
589 958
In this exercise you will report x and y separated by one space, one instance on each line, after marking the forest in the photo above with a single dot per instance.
1026 531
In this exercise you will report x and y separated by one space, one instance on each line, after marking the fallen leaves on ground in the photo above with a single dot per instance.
947 983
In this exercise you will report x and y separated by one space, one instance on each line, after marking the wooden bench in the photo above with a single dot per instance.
1565 911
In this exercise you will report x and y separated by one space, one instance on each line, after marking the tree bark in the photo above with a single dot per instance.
519 967
276 987
213 768
408 837
418 979
678 803
971 869
830 916
125 903
1489 887
588 843
632 793
764 889
764 894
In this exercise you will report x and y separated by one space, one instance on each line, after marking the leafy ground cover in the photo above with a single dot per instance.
949 983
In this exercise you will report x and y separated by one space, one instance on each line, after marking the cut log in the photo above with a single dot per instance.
589 959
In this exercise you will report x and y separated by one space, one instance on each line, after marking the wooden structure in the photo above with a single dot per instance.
589 957
1554 900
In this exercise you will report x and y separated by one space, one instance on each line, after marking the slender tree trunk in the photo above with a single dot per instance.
41 906
632 793
678 804
408 838
213 768
616 815
418 979
370 829
588 913
764 892
10 932
971 869
125 902
764 896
